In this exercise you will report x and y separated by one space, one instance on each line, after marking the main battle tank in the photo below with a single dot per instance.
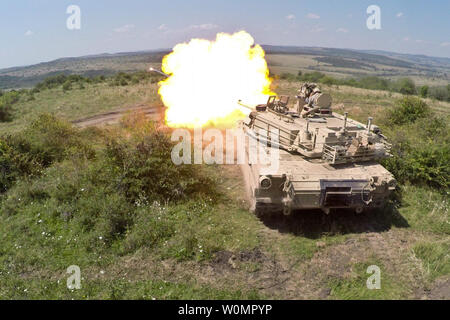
325 160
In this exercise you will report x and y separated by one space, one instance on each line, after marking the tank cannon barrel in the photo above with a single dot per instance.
151 69
244 105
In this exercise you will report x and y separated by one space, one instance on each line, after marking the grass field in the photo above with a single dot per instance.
87 207
79 103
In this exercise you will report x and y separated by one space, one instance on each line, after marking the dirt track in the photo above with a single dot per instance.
113 117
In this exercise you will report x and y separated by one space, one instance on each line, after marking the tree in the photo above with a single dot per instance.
5 112
67 86
408 110
424 91
406 86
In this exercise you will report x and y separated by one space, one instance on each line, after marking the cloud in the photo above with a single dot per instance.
317 29
29 33
163 27
399 15
343 30
312 16
405 39
445 44
290 17
419 41
205 26
124 28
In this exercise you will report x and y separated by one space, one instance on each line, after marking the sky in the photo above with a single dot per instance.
36 31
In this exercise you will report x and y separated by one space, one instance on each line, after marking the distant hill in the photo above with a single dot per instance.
91 66
337 62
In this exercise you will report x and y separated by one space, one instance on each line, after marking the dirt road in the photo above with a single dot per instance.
112 117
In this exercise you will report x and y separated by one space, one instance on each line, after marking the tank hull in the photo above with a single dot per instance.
302 183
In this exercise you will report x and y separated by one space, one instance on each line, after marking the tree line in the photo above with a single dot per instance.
405 85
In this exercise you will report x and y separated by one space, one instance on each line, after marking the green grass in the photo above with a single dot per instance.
435 258
117 289
78 103
355 287
425 209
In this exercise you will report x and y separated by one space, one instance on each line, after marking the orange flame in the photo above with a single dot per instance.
207 78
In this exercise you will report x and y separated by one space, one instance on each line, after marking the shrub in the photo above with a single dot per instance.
45 141
408 110
328 80
422 165
311 77
67 86
152 225
52 82
144 168
5 112
421 152
51 139
7 100
440 93
374 83
287 76
405 86
424 91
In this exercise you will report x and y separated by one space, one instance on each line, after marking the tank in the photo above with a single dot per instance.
325 160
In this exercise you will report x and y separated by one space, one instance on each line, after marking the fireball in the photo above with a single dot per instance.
207 78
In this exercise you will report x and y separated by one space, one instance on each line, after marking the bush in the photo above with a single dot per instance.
7 100
144 168
408 110
440 93
51 82
44 142
287 76
67 86
374 83
311 77
328 80
5 113
405 86
424 91
425 164
152 225
421 150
